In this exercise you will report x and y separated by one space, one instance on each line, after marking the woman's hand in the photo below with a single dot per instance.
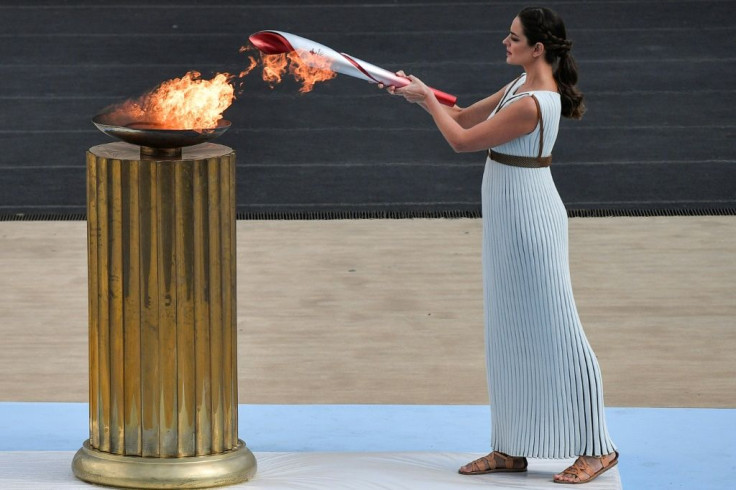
416 92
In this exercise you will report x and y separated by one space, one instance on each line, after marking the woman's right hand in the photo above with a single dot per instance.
416 91
390 88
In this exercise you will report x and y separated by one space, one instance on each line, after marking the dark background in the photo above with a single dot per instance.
658 77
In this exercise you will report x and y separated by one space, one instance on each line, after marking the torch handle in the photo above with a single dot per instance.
376 74
444 97
388 78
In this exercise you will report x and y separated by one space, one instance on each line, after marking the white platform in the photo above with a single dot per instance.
42 470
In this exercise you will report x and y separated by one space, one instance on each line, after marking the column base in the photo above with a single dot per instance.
213 470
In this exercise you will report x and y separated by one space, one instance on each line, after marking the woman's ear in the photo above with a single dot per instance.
538 50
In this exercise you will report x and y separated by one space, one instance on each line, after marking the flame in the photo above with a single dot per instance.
251 67
189 102
274 67
306 67
194 103
310 68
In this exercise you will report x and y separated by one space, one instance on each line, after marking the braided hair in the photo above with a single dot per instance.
542 25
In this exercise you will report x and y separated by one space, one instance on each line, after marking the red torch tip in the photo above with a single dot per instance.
269 42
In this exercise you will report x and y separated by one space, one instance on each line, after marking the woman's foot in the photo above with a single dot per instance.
493 463
587 468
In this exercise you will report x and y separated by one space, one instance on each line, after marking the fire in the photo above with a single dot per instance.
189 102
274 67
251 67
194 103
306 67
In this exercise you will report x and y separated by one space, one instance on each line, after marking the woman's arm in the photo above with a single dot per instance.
479 112
466 117
511 122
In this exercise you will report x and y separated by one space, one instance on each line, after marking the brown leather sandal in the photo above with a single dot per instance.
495 462
584 472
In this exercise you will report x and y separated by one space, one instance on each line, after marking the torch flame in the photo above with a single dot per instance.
274 67
310 68
306 67
193 103
189 102
251 67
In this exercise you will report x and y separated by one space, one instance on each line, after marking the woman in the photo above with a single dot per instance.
543 378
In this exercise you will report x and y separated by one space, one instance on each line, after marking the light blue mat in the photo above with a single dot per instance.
661 448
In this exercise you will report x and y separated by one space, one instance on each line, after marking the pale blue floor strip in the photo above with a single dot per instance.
661 448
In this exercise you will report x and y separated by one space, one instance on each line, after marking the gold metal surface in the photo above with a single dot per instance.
154 153
162 317
228 468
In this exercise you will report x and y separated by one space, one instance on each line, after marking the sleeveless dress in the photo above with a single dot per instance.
544 380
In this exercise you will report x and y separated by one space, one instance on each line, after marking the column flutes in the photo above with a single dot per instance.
162 322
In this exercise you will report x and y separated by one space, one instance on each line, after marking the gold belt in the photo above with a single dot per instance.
518 161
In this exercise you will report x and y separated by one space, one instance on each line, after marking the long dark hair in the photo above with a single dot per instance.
542 25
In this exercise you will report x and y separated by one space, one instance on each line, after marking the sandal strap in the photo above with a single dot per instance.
579 471
497 460
503 460
509 462
480 464
581 468
486 460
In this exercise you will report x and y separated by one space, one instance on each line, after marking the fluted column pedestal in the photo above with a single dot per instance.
162 320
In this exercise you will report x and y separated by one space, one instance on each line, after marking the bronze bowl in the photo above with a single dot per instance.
152 136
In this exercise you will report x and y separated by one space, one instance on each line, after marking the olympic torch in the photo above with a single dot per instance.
278 42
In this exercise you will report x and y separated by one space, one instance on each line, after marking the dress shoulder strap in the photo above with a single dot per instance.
518 161
540 119
509 88
513 84
541 126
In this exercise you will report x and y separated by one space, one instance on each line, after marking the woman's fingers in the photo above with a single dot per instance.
413 92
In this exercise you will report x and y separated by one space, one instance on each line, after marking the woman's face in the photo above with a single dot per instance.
518 51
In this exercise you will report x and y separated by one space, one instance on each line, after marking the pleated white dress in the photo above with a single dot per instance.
543 377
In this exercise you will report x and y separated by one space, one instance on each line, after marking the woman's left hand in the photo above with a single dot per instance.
416 92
